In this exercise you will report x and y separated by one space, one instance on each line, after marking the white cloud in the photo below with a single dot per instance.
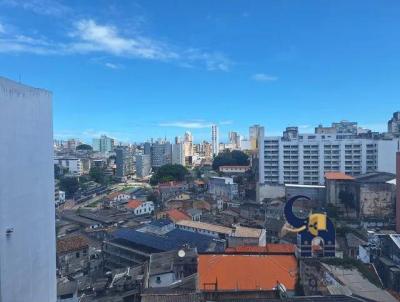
262 77
187 124
40 7
93 37
226 123
2 29
112 65
89 37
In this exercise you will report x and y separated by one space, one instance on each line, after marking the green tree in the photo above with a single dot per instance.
230 158
169 173
84 147
70 185
97 174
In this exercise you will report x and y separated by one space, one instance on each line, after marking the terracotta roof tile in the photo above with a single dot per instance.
176 215
337 176
257 272
134 203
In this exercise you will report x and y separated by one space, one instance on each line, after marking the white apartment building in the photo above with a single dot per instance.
178 154
103 144
143 165
74 165
27 220
215 139
304 158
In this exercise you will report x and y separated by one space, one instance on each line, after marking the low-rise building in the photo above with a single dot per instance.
233 169
139 207
72 255
223 188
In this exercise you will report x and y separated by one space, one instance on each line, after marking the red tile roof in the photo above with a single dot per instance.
270 248
176 215
337 176
134 203
246 272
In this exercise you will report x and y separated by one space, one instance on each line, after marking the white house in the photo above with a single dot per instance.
140 207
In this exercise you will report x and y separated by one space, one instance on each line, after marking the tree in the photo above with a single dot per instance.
70 185
230 158
84 147
169 173
97 174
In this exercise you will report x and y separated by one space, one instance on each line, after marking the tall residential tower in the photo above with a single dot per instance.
215 139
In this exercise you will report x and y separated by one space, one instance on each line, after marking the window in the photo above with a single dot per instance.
158 279
77 255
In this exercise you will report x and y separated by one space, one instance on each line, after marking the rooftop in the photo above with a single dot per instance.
338 176
257 272
176 215
71 244
241 231
134 203
378 177
205 226
270 248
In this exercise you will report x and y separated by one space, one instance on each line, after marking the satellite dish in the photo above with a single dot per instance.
181 253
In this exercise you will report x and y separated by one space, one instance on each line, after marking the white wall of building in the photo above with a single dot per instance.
387 155
27 254
178 154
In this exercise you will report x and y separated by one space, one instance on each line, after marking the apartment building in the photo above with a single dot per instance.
73 164
143 165
124 162
304 158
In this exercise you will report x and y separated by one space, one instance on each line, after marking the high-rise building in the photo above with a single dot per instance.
27 218
304 158
188 144
143 165
398 192
234 140
215 139
147 148
178 156
124 162
254 134
161 154
394 124
103 144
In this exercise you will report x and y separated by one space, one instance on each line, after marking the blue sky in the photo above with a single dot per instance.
141 69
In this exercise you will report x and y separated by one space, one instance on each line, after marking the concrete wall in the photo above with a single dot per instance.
386 161
27 254
377 200
270 191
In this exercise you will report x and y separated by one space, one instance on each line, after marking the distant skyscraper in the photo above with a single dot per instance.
27 223
178 156
103 144
254 133
143 165
234 139
160 154
215 139
124 161
147 148
188 144
394 124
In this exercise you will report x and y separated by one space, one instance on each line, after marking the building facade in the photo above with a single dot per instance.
74 165
124 162
161 154
143 165
304 158
394 124
215 139
103 144
178 154
27 220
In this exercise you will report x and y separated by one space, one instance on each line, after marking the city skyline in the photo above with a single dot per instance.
133 72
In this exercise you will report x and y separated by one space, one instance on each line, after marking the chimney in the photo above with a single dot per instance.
398 192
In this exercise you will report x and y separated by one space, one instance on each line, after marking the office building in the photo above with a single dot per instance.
188 144
72 164
304 158
394 124
103 144
234 140
124 162
254 134
161 154
143 165
27 220
178 155
215 140
147 148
